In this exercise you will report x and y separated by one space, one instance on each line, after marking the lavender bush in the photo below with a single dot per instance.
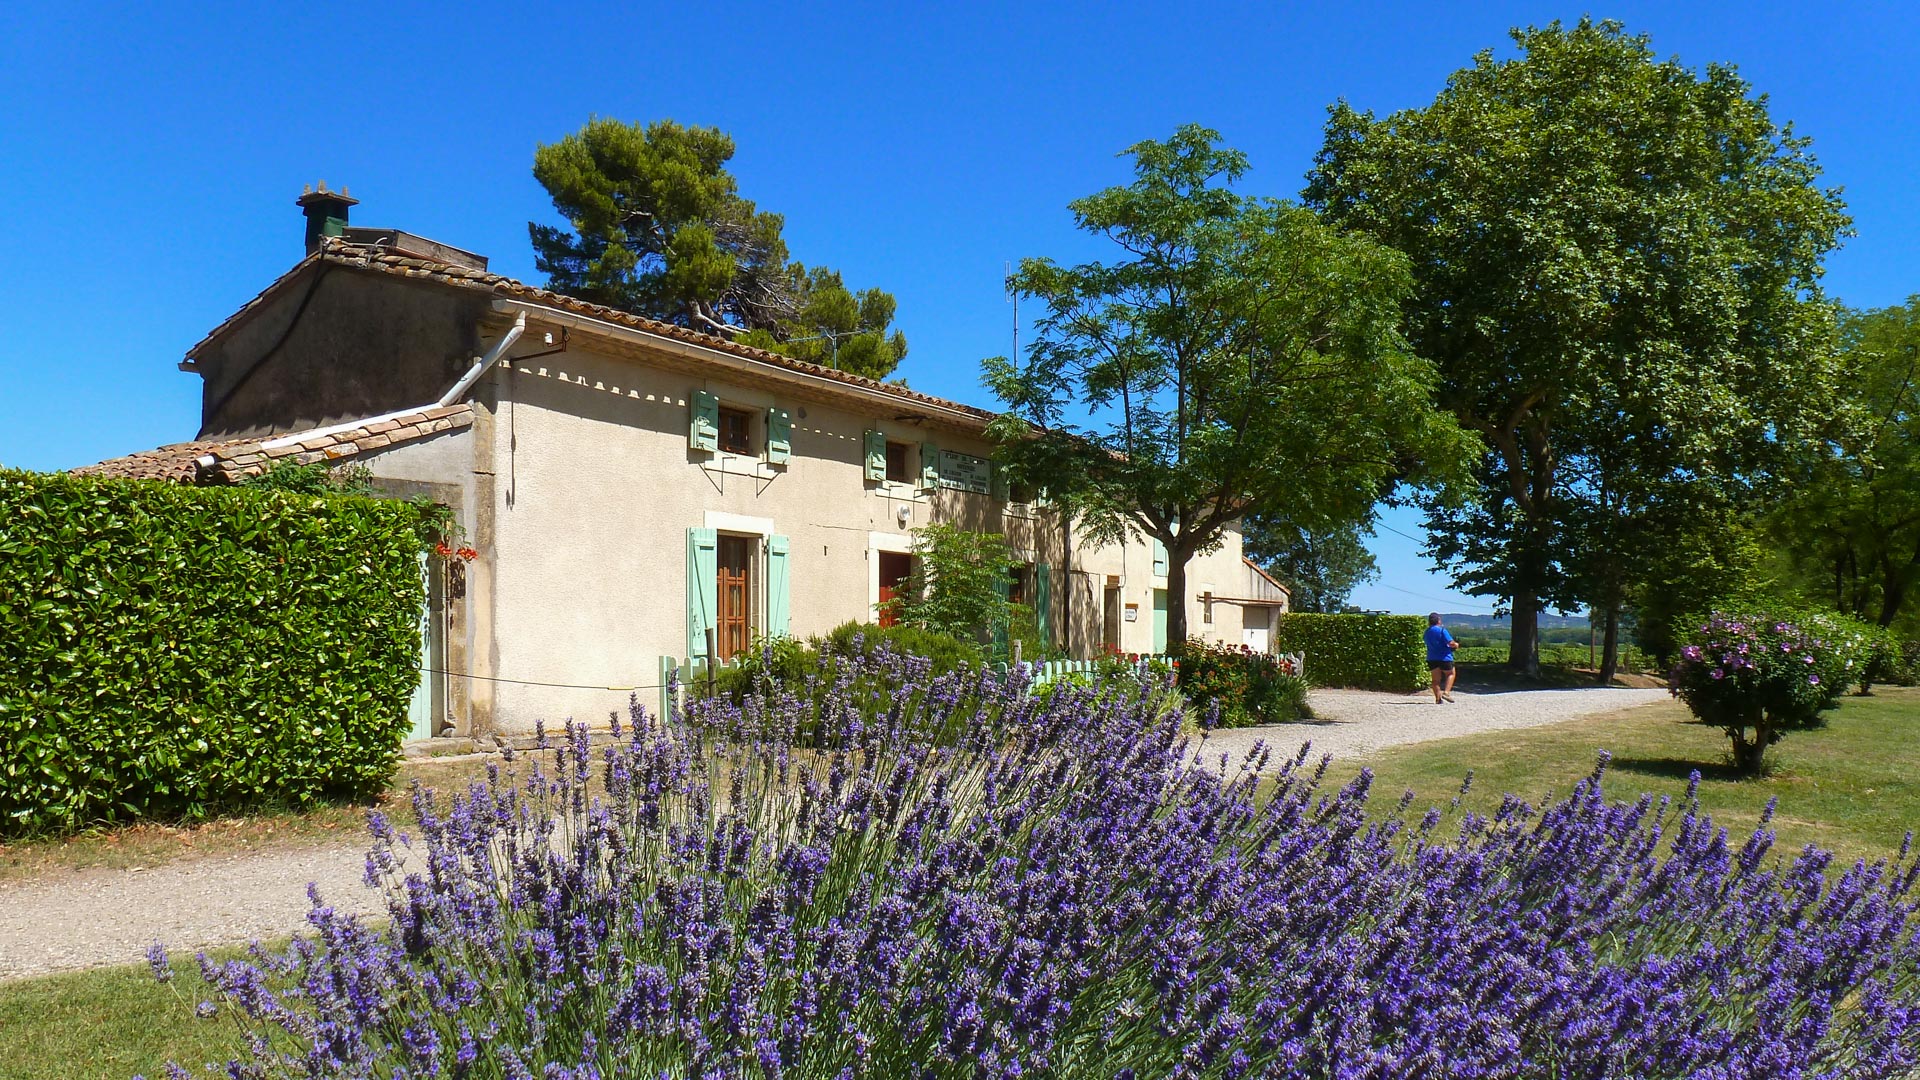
971 881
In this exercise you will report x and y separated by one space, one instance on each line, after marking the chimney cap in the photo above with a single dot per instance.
310 197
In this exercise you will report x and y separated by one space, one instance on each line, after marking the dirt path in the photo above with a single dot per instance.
66 920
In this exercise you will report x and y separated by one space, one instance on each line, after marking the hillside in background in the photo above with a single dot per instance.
1499 622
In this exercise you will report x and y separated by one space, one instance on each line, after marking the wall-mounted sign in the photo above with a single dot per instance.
964 472
1133 612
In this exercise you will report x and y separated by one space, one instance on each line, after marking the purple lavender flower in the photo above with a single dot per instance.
873 872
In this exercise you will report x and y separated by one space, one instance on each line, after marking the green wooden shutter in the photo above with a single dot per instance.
929 466
876 455
1000 489
779 436
778 604
702 588
1003 588
703 421
1159 559
1043 601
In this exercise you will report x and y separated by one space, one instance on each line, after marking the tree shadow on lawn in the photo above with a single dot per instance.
1487 679
1672 768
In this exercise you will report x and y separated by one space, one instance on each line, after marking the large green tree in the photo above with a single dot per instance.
1853 515
1239 354
658 228
1320 566
1615 256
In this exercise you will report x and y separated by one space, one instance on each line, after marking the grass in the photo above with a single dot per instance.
152 843
1852 787
108 1023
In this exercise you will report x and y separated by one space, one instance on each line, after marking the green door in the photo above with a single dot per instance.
1159 620
421 708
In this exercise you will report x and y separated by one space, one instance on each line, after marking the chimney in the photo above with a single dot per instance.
326 213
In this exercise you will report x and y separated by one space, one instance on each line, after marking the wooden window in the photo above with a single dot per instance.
734 592
895 568
736 431
897 462
1018 590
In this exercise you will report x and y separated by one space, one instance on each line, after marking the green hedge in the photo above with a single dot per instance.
1371 652
168 651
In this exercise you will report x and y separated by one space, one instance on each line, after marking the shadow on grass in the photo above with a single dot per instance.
1500 679
1669 768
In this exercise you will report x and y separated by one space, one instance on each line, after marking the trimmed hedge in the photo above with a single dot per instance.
1370 652
169 651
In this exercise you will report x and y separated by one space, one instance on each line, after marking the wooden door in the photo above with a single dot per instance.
894 568
734 623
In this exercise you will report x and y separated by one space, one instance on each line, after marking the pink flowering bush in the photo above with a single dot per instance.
1759 676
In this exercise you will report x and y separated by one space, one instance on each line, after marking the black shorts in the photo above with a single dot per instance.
1440 665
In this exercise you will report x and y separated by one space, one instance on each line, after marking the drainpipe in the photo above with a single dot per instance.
481 365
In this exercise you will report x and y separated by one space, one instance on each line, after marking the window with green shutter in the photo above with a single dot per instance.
1159 559
929 466
876 448
779 436
702 588
1043 601
778 590
703 421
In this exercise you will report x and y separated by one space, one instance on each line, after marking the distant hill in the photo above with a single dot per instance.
1501 622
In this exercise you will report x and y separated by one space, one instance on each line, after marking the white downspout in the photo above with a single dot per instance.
481 365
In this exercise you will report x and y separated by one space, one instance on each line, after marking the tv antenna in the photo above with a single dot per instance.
1014 299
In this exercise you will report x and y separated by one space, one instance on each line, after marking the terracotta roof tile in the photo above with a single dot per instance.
236 458
362 257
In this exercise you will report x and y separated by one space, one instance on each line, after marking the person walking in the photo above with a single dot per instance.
1440 646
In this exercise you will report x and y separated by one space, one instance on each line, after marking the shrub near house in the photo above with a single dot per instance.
172 651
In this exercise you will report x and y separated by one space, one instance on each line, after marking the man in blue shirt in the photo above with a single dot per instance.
1440 646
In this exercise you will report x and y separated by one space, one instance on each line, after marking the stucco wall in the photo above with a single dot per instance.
334 345
594 489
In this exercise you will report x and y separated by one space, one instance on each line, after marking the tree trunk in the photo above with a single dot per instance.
1610 646
1523 641
1176 596
1749 755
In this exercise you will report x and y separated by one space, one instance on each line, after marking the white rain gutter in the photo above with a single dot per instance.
459 389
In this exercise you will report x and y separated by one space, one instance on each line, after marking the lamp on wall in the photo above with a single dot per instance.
905 514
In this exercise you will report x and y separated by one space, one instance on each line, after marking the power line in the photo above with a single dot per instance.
1435 599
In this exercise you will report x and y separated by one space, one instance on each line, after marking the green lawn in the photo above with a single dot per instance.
1852 787
108 1023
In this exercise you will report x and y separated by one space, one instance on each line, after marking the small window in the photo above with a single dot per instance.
736 431
1019 583
897 463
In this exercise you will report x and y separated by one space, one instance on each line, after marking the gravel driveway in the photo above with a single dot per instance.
1355 723
89 918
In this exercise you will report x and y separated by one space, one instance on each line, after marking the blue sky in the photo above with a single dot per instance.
150 155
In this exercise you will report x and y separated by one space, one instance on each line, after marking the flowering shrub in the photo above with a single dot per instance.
1760 676
1244 686
1054 894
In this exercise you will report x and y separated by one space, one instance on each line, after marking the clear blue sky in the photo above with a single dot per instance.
150 155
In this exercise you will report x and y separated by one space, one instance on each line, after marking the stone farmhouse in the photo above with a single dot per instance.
630 485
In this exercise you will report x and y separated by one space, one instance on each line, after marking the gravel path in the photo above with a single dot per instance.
89 918
1355 723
